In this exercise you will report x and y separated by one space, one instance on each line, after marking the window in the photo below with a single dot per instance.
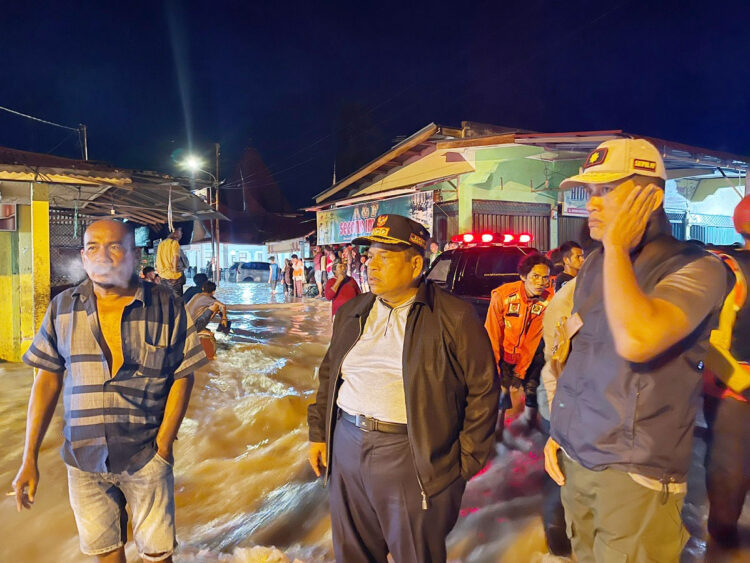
243 257
496 263
484 269
440 270
259 255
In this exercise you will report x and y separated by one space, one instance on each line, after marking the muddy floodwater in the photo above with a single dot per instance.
244 490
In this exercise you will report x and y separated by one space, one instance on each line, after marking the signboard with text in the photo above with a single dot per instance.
343 224
574 202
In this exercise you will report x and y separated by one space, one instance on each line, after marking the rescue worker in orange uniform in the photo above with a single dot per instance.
514 324
727 411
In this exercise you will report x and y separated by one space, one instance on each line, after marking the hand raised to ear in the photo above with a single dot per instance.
629 223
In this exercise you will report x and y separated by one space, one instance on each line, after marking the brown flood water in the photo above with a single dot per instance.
242 479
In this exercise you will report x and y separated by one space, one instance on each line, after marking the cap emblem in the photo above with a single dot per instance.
596 157
382 220
380 231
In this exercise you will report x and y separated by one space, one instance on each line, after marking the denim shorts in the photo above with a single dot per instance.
98 501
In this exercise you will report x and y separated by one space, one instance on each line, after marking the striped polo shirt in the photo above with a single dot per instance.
111 422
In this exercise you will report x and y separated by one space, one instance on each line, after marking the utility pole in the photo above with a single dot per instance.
217 253
84 136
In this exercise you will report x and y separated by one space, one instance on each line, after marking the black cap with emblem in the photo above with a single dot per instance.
396 229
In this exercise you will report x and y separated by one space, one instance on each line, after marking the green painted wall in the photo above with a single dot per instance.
507 174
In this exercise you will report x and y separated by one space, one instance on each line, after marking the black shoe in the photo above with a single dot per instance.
558 541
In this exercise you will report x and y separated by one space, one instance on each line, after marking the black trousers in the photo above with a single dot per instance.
376 502
727 464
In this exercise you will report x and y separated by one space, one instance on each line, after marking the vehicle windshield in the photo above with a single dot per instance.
440 269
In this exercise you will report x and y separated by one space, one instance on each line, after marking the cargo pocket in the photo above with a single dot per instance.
604 553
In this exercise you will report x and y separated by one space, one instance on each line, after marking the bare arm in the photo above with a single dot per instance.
642 327
42 402
174 412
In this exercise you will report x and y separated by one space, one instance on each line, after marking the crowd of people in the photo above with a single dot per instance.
607 345
626 331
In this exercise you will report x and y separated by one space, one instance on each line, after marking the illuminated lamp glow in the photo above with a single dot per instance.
192 163
507 238
524 238
468 237
487 237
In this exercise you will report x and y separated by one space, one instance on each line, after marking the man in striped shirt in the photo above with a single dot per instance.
126 352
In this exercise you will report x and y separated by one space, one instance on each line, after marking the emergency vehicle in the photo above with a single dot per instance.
482 262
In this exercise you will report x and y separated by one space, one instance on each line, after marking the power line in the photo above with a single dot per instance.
14 112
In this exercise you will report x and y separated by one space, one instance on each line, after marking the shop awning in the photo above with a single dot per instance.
99 189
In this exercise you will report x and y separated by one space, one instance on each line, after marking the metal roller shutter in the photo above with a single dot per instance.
569 228
507 216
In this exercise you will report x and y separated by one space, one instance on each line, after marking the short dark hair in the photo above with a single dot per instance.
200 279
148 270
566 248
208 287
295 256
528 263
554 256
271 259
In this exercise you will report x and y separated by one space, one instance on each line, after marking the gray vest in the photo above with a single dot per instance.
609 412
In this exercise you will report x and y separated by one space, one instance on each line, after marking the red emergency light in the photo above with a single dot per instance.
488 238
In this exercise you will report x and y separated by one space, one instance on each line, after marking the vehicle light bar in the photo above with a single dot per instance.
488 238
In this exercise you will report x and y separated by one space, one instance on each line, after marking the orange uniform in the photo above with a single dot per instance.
514 323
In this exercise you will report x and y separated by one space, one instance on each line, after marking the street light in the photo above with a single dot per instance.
194 164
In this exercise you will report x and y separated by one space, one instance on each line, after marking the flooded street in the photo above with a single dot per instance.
242 478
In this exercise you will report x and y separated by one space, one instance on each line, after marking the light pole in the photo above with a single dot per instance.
195 164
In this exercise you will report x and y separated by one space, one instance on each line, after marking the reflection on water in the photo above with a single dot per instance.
242 479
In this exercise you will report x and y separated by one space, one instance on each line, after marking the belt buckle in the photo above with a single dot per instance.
363 423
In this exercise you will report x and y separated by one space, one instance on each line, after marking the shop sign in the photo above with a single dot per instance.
574 202
343 224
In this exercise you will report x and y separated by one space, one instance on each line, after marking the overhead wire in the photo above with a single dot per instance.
40 120
53 149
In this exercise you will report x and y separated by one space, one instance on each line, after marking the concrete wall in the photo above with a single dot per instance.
506 174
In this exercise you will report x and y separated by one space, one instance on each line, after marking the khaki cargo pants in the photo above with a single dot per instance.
612 519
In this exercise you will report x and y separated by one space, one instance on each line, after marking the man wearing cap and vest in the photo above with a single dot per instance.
623 412
725 405
514 324
406 406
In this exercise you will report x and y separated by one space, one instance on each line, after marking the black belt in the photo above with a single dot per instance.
373 424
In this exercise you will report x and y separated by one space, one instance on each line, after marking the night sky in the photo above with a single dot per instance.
305 82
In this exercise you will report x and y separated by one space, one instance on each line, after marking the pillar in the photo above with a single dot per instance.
10 292
24 275
40 250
